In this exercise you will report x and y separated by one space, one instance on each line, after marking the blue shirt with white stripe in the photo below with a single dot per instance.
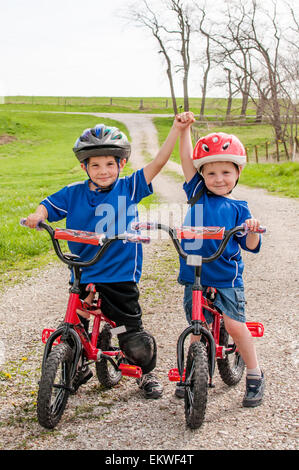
212 210
110 212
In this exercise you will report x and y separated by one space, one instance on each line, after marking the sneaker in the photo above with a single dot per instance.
179 391
81 377
150 386
254 391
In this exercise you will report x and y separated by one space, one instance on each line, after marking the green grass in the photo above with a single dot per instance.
280 178
214 106
39 162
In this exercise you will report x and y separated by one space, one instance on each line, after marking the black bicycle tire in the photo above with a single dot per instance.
48 417
107 376
196 394
230 374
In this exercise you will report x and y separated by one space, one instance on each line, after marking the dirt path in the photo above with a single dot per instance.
121 419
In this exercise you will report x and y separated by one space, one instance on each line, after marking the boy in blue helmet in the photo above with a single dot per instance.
107 203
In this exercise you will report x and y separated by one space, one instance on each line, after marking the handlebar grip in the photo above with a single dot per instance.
38 227
260 229
144 225
137 239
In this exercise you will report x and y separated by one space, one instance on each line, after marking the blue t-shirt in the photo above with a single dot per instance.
110 212
212 210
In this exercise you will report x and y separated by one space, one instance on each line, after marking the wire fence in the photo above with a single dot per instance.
133 103
273 151
215 107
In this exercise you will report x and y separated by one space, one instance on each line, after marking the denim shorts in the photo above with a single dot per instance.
230 300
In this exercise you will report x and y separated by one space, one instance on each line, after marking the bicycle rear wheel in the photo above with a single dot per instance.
196 394
107 375
54 386
230 368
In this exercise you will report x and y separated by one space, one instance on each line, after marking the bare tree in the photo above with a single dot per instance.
148 18
231 50
252 43
183 32
207 57
172 35
232 91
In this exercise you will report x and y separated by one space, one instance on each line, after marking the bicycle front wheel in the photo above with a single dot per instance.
54 386
196 393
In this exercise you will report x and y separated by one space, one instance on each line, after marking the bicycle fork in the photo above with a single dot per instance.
197 328
178 375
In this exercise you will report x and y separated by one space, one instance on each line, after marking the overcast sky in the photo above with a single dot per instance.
76 48
82 48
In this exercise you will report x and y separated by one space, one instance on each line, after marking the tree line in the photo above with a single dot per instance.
249 48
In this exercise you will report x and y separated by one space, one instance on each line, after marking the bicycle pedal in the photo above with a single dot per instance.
174 375
256 329
46 335
130 370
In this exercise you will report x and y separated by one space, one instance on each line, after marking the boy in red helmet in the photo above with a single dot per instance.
212 171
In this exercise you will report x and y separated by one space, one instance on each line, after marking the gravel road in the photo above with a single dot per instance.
121 419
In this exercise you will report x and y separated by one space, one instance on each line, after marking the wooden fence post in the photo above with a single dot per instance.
267 151
256 154
277 150
286 149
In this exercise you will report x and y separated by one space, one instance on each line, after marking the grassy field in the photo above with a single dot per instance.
214 106
37 162
281 178
251 135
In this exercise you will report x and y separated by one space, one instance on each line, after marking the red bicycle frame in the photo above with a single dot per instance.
199 302
72 325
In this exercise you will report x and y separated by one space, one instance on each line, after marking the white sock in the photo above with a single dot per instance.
254 372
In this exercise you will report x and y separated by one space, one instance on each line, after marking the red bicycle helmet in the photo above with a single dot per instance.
219 147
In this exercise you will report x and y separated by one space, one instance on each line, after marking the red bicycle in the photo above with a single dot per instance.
69 348
214 344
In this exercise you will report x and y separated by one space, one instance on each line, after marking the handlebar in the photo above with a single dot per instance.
92 238
216 233
81 236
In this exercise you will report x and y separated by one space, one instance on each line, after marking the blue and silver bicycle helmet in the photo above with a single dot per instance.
102 140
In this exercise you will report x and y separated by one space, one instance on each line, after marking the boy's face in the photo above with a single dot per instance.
103 170
220 177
